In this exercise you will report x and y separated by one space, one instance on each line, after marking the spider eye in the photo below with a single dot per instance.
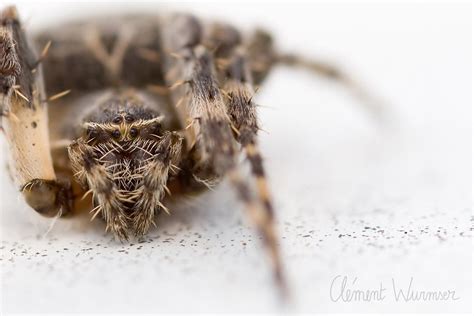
129 118
117 119
116 134
133 132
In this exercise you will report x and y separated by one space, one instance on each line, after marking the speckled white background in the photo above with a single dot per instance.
378 205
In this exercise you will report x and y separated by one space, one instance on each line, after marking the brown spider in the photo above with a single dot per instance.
142 107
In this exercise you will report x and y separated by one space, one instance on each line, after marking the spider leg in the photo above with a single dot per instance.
371 104
263 57
192 76
236 82
24 120
95 176
212 123
243 114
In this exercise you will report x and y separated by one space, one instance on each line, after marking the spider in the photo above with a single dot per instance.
139 108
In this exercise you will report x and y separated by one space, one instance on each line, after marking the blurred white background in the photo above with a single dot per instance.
380 204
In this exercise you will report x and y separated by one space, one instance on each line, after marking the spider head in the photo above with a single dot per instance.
124 155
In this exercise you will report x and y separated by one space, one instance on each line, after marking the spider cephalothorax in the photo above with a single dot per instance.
125 157
137 104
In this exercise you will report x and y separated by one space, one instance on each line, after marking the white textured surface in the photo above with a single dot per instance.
352 200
